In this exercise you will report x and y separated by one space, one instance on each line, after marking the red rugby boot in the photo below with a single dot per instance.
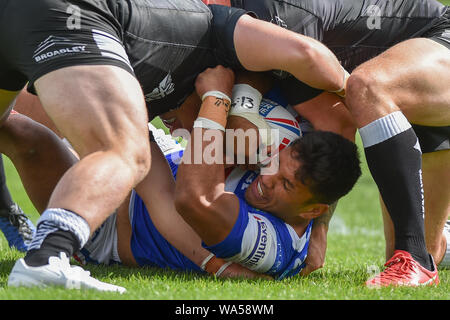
403 270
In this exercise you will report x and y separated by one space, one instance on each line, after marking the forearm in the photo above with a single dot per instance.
201 198
203 156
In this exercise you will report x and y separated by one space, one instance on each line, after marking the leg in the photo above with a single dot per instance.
17 228
40 157
101 111
109 132
436 179
30 106
389 141
15 225
436 170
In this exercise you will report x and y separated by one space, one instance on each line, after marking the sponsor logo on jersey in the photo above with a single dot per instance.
164 88
110 46
51 48
266 106
259 250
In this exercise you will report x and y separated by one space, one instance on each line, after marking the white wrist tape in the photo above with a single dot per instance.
245 104
245 99
203 265
216 94
206 123
222 268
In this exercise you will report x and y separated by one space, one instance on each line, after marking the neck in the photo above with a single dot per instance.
299 225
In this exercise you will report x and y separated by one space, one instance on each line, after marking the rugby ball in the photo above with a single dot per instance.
280 119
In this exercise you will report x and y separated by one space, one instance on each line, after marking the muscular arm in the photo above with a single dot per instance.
263 46
318 242
158 192
200 189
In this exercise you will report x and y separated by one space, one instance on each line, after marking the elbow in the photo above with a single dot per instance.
305 52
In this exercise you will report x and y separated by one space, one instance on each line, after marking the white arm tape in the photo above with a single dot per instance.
245 99
222 268
206 123
245 104
203 265
216 94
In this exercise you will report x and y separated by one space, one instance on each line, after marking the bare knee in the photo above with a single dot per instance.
140 159
367 98
131 150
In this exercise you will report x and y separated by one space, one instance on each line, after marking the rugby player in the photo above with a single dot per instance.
89 61
261 241
158 236
412 39
291 194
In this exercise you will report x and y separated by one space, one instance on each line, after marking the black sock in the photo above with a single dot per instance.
53 244
5 197
395 164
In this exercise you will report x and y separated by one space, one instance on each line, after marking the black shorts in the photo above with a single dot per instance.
440 32
40 36
433 139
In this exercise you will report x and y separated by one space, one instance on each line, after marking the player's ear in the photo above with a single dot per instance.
314 210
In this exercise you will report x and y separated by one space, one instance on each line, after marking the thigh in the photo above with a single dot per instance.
414 75
95 107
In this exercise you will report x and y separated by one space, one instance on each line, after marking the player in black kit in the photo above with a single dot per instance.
94 65
356 32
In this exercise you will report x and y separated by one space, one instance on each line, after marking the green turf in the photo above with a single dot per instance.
355 250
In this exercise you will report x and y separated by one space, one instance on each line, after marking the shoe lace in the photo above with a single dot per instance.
71 273
397 268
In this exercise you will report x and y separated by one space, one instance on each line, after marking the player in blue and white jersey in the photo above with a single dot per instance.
145 235
313 173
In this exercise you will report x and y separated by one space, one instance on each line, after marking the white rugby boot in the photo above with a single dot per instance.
58 272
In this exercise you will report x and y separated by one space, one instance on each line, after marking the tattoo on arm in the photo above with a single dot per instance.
222 102
325 218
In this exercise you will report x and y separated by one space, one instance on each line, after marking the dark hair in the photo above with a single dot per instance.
330 165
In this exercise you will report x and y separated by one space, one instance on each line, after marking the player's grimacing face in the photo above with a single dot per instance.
281 193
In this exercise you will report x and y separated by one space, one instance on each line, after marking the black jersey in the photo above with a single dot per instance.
170 42
165 44
354 30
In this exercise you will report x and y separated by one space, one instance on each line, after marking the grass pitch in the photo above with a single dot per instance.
355 251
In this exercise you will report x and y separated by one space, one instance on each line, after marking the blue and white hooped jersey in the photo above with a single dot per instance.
258 240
